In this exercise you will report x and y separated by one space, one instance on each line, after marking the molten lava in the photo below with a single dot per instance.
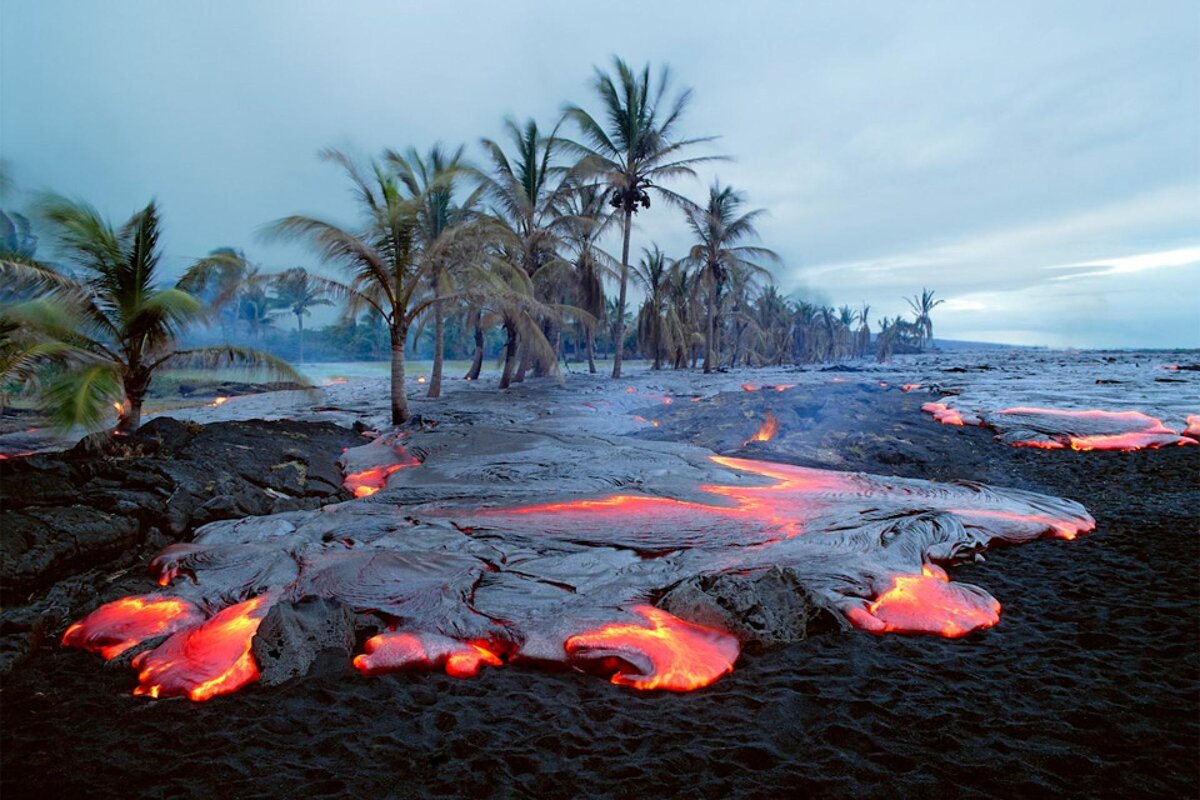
767 432
398 650
665 653
928 603
756 513
219 401
1093 429
115 627
367 482
1193 426
202 662
943 413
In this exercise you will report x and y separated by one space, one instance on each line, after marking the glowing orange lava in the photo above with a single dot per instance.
369 481
783 387
778 508
1193 426
115 627
749 387
1144 431
666 653
219 401
943 413
928 603
909 387
211 659
767 432
397 650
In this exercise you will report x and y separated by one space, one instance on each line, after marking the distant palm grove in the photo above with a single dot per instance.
524 254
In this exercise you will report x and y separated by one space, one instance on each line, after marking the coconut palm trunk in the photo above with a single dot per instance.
711 352
439 349
300 336
618 345
477 361
399 398
510 355
591 351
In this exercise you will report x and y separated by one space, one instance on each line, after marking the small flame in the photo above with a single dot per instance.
421 379
119 407
768 430
909 387
219 401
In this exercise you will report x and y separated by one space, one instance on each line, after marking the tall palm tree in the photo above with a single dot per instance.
634 152
922 306
296 291
380 256
652 273
528 194
588 216
117 321
863 335
433 179
719 227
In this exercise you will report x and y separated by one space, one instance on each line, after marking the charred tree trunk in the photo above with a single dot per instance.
477 362
510 355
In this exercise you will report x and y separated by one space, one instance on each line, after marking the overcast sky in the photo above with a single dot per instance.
1037 164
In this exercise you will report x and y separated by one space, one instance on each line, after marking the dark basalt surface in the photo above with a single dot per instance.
73 523
1089 686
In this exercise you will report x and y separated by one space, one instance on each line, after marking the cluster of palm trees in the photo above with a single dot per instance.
510 243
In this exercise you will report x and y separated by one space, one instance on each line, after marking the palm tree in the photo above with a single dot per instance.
588 218
922 306
296 291
863 335
634 152
432 179
116 321
527 195
652 273
380 256
719 227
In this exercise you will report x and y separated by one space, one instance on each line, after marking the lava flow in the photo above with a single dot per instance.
115 627
1052 428
754 513
928 603
202 662
398 650
666 653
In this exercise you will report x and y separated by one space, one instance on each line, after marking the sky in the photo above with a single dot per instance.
1036 164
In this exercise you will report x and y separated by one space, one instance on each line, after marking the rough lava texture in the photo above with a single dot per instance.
1087 687
97 510
525 538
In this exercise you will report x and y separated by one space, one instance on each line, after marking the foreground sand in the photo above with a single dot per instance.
1088 685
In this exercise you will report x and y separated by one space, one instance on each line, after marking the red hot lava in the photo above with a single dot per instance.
665 653
1193 426
397 650
928 603
115 627
1115 430
210 659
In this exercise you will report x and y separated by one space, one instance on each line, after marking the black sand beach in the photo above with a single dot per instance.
1089 686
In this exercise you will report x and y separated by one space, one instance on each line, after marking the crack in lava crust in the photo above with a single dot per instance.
568 580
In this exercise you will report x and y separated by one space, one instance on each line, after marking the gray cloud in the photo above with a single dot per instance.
1030 161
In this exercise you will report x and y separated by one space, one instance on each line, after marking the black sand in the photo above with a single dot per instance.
1089 686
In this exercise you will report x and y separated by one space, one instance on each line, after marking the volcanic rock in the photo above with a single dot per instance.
293 635
767 608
